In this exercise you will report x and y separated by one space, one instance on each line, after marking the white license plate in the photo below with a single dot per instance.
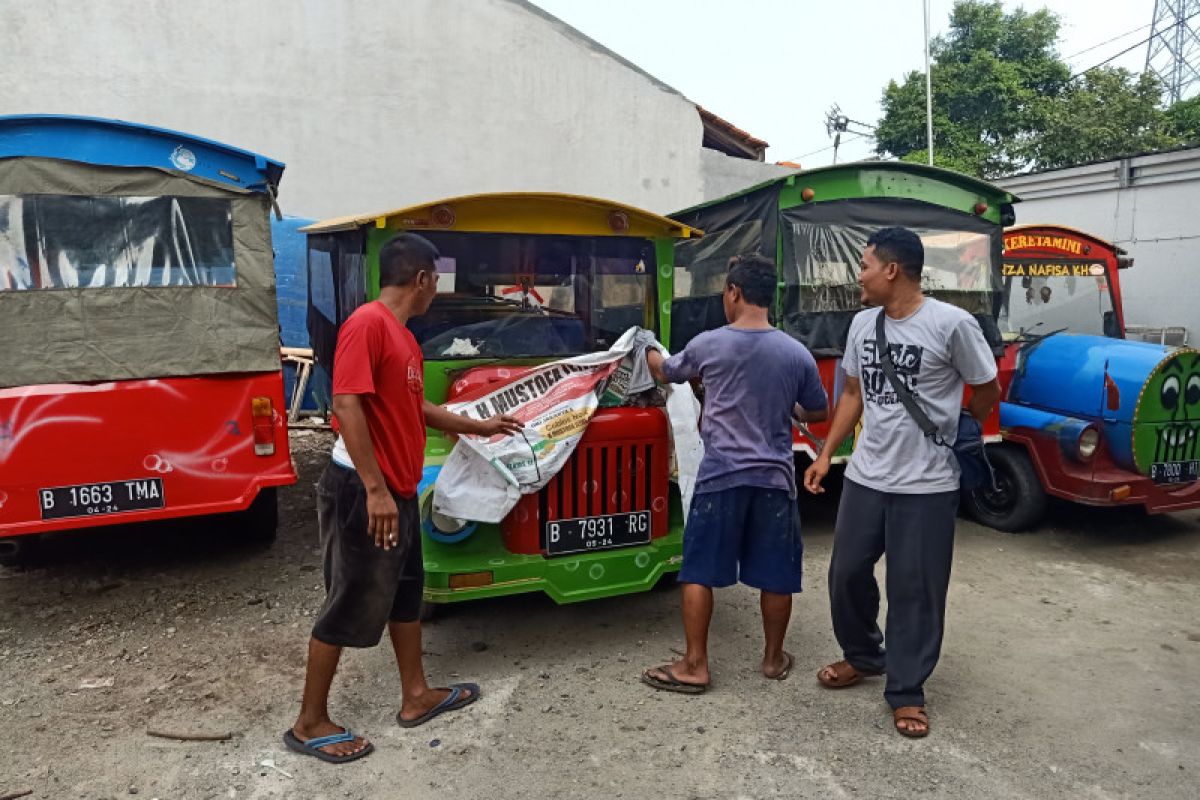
602 532
92 499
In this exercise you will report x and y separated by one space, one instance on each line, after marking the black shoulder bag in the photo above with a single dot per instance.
975 471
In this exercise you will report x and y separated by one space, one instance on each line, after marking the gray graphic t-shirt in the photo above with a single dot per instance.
936 349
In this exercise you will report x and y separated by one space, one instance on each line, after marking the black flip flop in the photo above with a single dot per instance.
457 698
311 746
672 684
787 669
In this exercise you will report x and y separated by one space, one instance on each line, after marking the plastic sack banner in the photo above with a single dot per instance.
483 478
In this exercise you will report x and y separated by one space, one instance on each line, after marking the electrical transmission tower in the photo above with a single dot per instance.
1173 53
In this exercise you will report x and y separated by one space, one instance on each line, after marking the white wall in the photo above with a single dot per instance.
1149 205
373 104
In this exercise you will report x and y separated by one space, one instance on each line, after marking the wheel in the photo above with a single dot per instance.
1018 501
260 522
668 582
17 551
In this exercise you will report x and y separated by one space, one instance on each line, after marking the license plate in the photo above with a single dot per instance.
91 499
603 532
1175 471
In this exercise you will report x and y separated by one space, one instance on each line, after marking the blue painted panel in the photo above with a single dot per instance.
1065 373
291 297
108 142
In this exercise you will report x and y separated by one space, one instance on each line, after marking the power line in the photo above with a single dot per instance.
1123 52
1109 41
854 137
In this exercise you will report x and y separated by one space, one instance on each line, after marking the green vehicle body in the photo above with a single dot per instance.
483 554
850 193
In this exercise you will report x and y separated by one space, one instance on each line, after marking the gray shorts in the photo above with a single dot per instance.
365 586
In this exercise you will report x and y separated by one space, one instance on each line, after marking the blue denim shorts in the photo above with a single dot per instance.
745 533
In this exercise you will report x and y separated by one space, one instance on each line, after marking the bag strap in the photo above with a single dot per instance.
906 398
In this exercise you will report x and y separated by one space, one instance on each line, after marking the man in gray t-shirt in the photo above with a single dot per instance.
900 493
743 524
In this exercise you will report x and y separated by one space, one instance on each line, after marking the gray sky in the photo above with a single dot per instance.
774 67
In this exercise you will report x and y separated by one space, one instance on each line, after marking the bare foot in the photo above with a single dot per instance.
326 727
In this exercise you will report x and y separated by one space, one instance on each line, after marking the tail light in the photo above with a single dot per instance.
262 419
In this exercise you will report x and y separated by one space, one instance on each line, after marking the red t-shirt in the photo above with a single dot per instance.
379 359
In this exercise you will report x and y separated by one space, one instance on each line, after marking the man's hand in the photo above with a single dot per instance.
815 473
383 518
499 425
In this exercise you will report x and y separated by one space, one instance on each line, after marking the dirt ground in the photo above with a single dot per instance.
1071 669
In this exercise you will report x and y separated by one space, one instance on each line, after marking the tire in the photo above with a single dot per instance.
260 522
18 551
429 611
1018 503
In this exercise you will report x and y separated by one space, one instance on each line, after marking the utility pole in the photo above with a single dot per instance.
929 89
1173 53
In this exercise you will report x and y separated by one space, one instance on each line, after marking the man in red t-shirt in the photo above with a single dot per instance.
367 505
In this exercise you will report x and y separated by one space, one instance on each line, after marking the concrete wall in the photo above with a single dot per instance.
373 105
723 175
1149 205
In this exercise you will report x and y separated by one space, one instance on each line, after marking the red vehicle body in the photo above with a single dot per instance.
115 402
1086 416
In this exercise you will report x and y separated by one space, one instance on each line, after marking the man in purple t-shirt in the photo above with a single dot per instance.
744 523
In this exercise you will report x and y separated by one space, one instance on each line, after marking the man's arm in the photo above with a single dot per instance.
445 421
983 399
803 414
383 517
654 360
845 417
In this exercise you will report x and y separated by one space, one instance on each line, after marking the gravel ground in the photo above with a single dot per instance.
1071 669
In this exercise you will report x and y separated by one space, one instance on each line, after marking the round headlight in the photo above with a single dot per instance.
441 527
1089 440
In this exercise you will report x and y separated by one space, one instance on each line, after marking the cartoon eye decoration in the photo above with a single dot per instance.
1192 393
1170 393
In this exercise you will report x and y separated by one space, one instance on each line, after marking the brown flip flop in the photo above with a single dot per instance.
672 684
844 675
787 668
911 714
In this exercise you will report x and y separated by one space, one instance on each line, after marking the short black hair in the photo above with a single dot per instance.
902 246
754 274
403 256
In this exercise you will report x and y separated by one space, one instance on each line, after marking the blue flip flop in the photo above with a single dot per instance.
457 698
312 746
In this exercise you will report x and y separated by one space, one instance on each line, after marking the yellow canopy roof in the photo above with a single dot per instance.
519 212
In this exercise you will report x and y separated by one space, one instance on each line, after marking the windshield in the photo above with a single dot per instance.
1044 295
67 241
513 295
825 264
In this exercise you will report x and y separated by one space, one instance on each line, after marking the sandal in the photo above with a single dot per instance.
789 661
911 714
461 694
845 674
671 684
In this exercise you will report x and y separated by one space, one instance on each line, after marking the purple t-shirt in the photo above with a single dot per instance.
752 378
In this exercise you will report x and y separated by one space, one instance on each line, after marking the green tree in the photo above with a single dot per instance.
1183 119
1004 101
1107 112
989 72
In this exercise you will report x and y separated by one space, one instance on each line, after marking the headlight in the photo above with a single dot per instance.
442 528
1089 440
